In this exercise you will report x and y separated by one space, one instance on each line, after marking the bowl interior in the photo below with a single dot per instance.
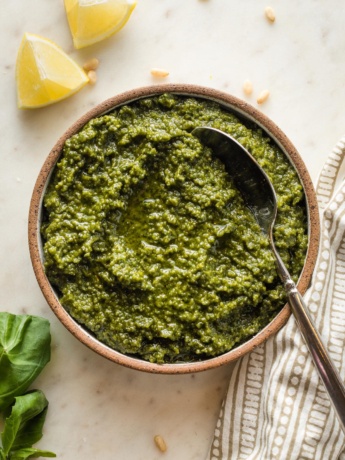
249 115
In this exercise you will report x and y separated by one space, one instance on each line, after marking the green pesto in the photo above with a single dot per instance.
148 243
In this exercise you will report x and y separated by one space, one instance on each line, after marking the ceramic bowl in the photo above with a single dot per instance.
241 109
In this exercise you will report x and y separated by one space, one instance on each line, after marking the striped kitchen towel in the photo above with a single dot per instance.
276 406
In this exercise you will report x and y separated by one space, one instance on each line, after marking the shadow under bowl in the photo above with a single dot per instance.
245 112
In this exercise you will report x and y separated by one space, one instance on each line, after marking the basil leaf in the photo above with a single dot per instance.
24 351
30 453
24 426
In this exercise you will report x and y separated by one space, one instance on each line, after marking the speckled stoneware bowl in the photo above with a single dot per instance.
240 108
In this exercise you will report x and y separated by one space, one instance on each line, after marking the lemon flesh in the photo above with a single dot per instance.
91 21
44 73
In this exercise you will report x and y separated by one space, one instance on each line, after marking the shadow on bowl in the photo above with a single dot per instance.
246 113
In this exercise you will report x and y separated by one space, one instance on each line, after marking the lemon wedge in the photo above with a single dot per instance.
91 21
44 73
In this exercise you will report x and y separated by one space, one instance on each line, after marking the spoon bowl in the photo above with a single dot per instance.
246 173
259 196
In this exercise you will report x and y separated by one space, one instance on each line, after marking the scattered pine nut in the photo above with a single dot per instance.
91 64
160 443
159 73
92 77
263 96
247 87
270 14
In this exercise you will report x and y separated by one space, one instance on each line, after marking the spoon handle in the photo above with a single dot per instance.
323 362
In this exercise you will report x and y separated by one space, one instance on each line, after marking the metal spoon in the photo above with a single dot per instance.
259 195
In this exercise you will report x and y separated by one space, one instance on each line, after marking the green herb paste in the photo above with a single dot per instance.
147 241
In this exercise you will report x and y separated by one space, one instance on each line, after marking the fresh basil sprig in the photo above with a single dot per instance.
24 351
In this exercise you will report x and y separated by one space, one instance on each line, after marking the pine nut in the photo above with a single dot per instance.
91 64
159 73
270 14
263 96
160 443
92 77
248 87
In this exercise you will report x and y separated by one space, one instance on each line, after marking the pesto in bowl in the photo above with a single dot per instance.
148 243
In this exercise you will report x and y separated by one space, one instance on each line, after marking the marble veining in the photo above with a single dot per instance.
98 409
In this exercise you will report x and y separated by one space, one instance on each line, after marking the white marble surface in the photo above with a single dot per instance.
98 409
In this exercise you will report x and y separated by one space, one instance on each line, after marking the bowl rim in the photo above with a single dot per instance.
239 107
